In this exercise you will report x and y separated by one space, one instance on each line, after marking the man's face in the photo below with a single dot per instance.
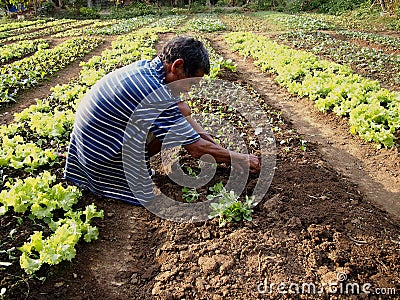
175 73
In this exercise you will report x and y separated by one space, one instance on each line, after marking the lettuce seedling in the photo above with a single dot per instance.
190 195
229 208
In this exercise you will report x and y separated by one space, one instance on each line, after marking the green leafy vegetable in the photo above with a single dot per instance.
229 208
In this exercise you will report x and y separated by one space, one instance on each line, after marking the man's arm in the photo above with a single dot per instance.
221 155
186 112
207 145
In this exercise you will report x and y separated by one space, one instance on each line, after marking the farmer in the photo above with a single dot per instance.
95 153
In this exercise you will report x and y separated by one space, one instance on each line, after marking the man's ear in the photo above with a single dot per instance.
177 66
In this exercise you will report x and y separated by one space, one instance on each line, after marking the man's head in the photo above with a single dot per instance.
185 57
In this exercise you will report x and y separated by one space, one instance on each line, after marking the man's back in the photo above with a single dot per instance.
95 154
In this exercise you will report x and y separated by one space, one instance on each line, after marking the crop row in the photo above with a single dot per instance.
297 22
373 112
85 29
217 62
55 28
240 22
29 71
373 63
33 28
20 49
13 25
205 23
392 43
123 26
168 22
120 27
42 198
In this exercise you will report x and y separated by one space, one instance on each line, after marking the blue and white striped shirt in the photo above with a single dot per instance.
107 147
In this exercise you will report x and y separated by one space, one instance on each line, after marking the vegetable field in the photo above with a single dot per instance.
328 227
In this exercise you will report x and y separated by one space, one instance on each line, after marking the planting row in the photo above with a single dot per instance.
391 43
374 113
240 22
296 22
55 28
85 29
20 49
122 26
217 62
14 25
373 63
33 27
168 22
40 198
269 22
205 23
29 71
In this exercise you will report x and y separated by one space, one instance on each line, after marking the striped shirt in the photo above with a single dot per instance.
107 153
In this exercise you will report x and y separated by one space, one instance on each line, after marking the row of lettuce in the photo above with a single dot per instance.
11 29
20 49
37 140
380 64
29 71
67 27
372 111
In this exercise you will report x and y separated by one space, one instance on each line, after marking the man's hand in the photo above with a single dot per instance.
254 162
241 162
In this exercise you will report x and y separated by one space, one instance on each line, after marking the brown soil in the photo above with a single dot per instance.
320 218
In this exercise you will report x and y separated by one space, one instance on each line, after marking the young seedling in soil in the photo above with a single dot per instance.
190 195
191 172
229 208
303 145
216 189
